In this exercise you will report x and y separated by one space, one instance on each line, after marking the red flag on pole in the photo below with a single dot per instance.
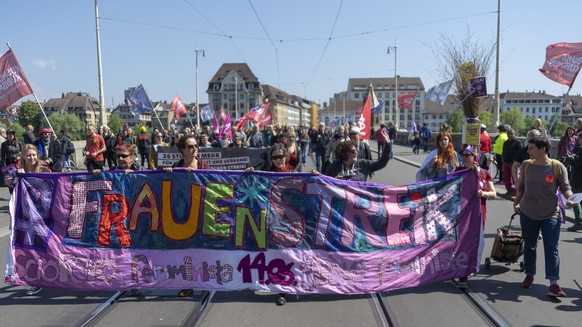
13 82
178 106
563 62
266 120
406 100
365 118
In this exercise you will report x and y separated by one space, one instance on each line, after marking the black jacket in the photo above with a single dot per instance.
362 166
54 154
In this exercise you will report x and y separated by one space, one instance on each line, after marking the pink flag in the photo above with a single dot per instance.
563 61
13 82
406 100
226 127
178 106
267 120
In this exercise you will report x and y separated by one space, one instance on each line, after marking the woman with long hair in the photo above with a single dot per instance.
29 163
288 139
158 141
189 148
443 162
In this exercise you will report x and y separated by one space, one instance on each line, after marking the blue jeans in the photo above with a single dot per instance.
550 229
304 153
66 158
425 144
319 159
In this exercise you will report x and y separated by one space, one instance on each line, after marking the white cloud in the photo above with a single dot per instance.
45 64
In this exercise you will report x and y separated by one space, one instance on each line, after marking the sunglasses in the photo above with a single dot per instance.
466 155
192 146
278 157
121 155
354 151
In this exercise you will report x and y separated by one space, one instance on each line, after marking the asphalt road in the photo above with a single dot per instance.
439 304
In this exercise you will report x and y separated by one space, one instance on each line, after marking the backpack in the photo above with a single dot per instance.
555 167
67 147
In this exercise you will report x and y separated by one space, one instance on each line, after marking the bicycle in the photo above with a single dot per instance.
488 162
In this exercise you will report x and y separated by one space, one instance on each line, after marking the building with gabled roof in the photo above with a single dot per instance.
287 109
79 103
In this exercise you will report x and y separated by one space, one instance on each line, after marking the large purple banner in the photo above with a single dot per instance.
217 230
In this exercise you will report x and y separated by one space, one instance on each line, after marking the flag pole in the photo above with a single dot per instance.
37 101
158 117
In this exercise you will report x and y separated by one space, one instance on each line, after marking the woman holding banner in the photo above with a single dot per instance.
279 159
189 148
29 163
348 166
486 190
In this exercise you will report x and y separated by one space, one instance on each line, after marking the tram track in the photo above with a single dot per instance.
192 317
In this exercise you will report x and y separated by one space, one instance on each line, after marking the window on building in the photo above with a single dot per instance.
527 110
356 95
533 110
440 116
546 109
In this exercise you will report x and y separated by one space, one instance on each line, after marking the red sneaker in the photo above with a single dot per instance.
528 281
556 291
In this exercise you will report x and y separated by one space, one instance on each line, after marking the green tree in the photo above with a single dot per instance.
71 122
528 124
513 118
115 122
485 117
29 114
19 130
456 120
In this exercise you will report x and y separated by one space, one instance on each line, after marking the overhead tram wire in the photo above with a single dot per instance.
217 28
270 39
326 44
230 36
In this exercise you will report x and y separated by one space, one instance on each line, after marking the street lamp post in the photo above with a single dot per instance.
236 97
396 107
198 51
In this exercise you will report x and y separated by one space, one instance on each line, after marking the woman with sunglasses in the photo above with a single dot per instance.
485 191
124 160
189 148
279 159
288 139
153 153
347 165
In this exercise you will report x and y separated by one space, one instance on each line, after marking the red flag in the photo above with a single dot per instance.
365 119
267 120
13 82
563 61
255 114
406 100
178 106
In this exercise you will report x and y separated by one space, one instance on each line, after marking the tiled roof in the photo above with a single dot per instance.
242 69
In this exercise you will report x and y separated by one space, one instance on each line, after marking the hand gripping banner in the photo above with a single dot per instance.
214 230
